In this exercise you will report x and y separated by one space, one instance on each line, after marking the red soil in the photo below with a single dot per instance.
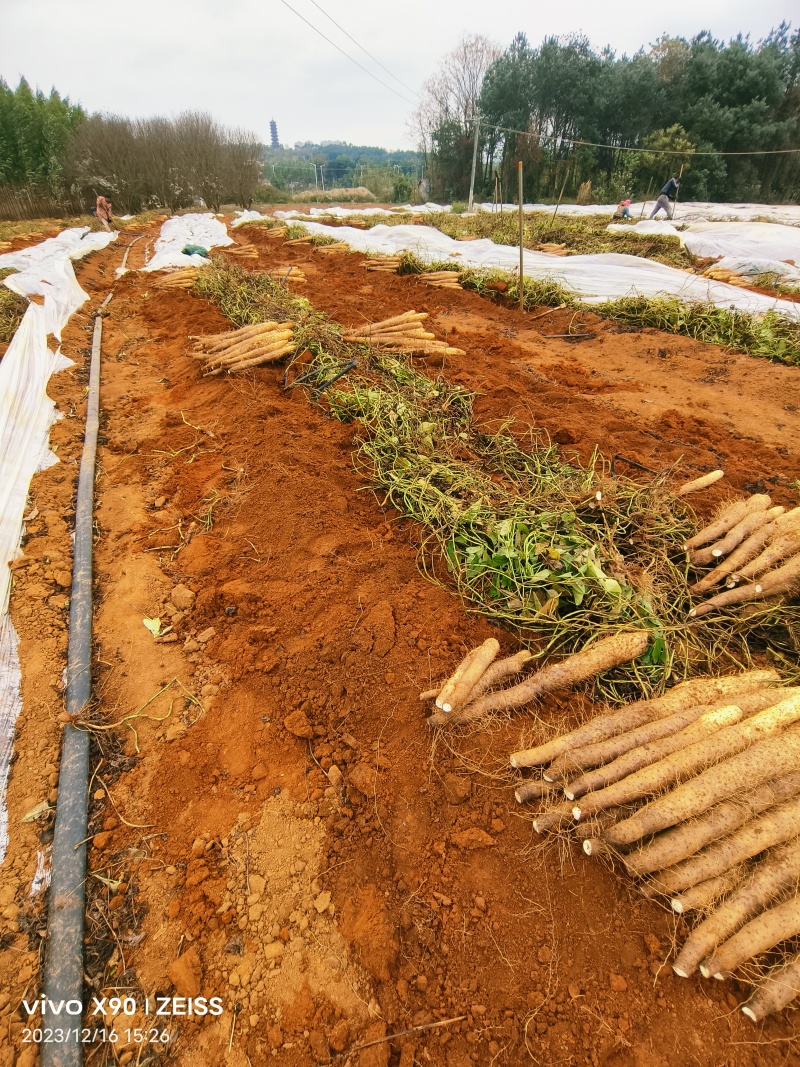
328 917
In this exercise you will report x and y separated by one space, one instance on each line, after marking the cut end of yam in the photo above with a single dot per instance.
748 1011
679 971
677 907
576 813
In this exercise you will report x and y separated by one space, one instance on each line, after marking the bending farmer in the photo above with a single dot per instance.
623 210
103 211
667 198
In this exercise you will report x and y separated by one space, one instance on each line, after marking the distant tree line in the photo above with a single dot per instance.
390 175
687 97
50 146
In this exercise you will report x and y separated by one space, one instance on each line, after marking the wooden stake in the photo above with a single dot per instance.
521 235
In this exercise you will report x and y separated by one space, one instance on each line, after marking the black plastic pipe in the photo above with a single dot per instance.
63 973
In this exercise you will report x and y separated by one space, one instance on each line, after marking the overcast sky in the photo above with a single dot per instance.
248 61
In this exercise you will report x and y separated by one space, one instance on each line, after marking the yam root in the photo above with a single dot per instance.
685 840
706 894
735 536
553 818
666 771
771 828
776 991
599 657
481 660
779 869
763 932
684 695
450 684
786 544
746 551
606 754
533 790
727 519
699 483
782 581
762 761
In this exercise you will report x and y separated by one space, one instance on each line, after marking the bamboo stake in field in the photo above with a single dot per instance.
521 243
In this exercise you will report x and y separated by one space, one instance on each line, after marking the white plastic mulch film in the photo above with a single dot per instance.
593 278
26 415
204 230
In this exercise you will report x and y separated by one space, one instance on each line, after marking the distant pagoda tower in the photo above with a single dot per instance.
273 133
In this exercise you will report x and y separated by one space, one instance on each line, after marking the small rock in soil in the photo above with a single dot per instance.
473 837
456 788
182 597
297 723
186 974
618 983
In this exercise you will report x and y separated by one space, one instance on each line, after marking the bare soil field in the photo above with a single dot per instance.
399 909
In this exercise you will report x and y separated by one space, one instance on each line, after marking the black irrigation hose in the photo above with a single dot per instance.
63 971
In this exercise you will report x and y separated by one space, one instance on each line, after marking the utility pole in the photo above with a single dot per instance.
474 163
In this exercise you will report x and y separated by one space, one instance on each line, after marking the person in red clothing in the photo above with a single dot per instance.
103 210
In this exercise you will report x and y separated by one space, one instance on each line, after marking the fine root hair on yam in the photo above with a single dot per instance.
727 519
685 840
705 895
762 933
553 818
778 869
699 483
533 790
762 761
775 991
685 695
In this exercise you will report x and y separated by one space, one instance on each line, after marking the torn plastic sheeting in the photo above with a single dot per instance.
593 278
26 415
176 233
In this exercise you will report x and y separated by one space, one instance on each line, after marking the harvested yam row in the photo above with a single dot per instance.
782 581
402 333
301 240
4 246
178 279
330 250
241 251
734 537
250 346
681 697
727 519
599 657
441 279
274 232
727 834
553 249
390 264
287 274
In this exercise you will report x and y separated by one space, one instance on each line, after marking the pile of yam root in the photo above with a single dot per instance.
238 350
287 274
441 279
248 251
402 333
178 279
695 793
722 274
756 551
387 264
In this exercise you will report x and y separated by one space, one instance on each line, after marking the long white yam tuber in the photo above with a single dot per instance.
553 818
748 550
533 790
699 483
460 693
740 532
499 671
770 758
779 869
705 894
762 933
726 739
773 827
684 695
685 840
659 773
786 544
606 756
727 519
773 993
452 681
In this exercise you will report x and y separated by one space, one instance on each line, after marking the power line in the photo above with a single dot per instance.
363 49
346 54
651 151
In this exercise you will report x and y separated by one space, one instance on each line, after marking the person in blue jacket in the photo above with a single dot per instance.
666 200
